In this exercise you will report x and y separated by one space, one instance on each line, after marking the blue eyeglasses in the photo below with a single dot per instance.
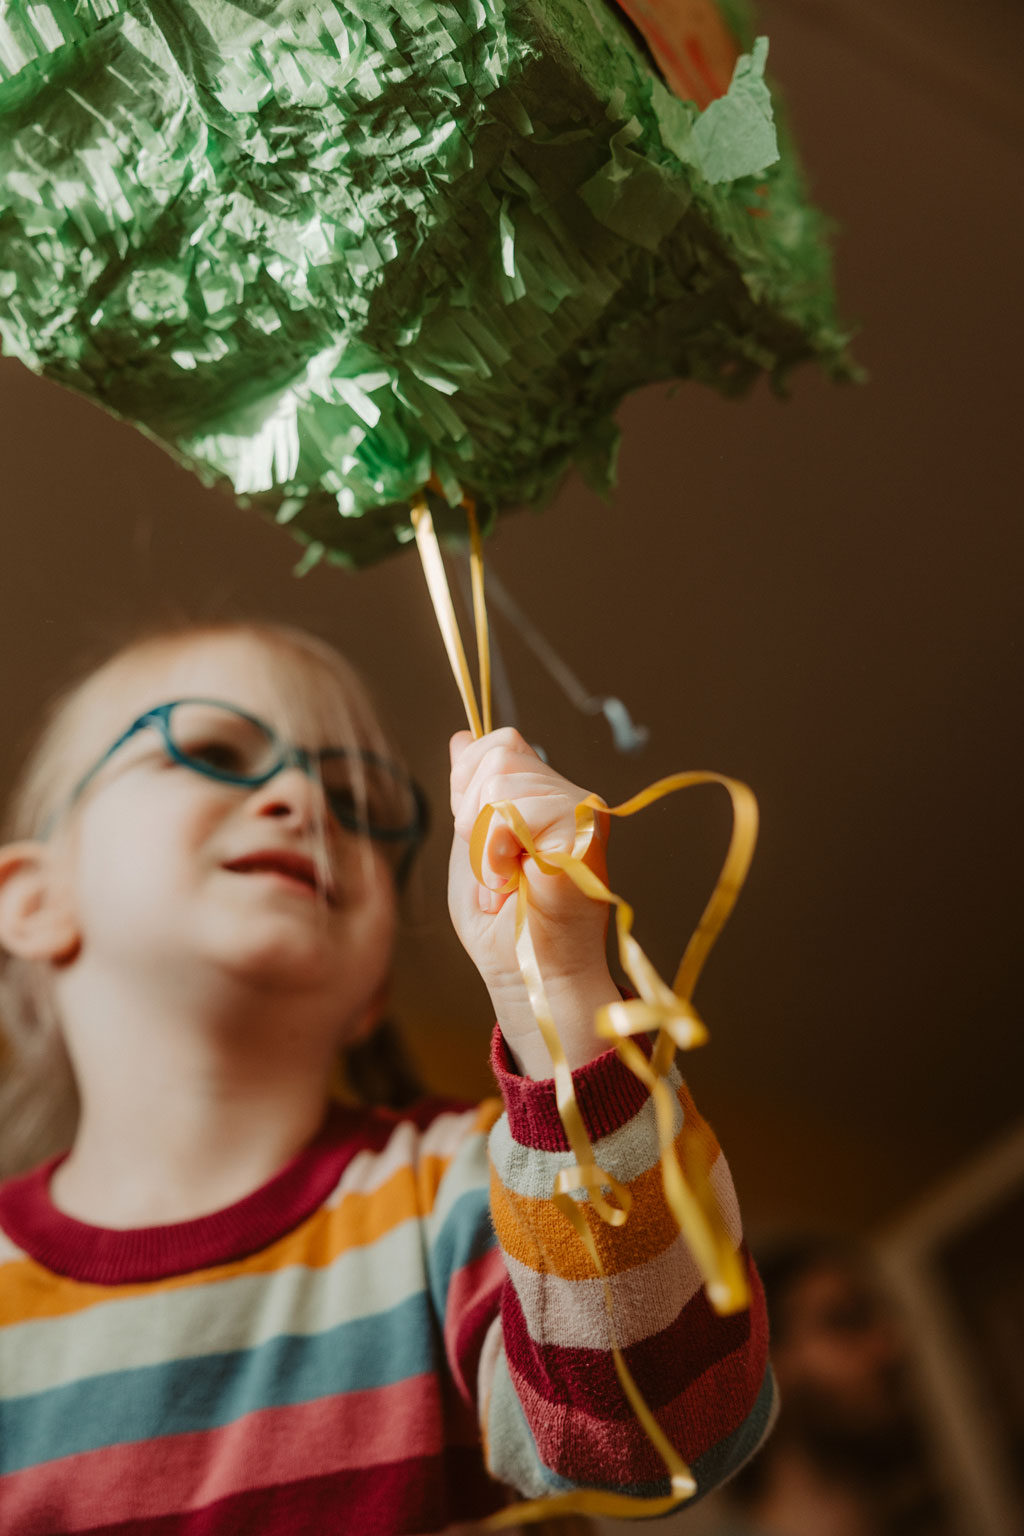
367 794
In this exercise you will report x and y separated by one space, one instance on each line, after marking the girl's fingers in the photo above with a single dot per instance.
502 855
504 767
458 744
464 887
505 751
487 789
551 823
489 901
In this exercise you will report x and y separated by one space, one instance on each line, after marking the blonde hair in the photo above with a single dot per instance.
38 1097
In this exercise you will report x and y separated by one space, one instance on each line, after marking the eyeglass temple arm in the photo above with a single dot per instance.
151 716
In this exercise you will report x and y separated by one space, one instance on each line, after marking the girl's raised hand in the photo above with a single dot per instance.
568 928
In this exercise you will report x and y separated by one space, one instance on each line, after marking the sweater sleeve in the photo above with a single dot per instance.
554 1415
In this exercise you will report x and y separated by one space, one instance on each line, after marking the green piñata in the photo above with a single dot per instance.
325 251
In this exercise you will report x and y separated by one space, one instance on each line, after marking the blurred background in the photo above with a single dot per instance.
819 596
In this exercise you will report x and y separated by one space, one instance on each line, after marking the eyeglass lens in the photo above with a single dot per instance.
366 795
222 741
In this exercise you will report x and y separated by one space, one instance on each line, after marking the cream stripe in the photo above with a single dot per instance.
726 1200
510 1447
467 1171
627 1152
573 1314
406 1147
224 1315
493 1350
9 1252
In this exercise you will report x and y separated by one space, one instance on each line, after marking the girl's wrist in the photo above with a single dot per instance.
574 1001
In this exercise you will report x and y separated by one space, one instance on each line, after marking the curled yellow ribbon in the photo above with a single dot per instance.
669 1010
656 1007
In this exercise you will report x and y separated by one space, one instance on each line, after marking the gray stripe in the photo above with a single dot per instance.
627 1153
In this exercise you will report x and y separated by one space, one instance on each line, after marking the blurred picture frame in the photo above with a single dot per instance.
955 1262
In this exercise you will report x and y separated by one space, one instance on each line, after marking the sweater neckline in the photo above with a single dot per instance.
112 1256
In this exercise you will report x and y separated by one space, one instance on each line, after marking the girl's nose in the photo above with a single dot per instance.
292 794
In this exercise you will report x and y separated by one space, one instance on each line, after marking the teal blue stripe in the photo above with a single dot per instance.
729 1454
212 1390
465 1235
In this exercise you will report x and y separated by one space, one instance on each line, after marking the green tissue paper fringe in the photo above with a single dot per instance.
324 251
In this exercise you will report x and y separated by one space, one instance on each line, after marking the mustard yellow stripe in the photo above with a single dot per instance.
489 1111
701 1139
27 1291
534 1232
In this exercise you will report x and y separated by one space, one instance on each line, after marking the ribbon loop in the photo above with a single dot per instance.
657 1007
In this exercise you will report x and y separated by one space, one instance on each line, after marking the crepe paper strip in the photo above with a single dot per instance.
691 44
627 736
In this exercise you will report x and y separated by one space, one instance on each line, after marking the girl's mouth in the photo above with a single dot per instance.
295 869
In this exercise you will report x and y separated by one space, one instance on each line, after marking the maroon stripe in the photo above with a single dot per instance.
107 1257
595 1438
402 1498
613 1452
663 1365
470 1332
607 1093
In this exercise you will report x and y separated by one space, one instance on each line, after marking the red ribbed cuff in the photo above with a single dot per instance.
607 1093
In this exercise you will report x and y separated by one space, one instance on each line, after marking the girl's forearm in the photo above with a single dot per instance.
574 1001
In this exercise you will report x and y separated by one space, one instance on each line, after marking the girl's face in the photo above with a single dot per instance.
172 874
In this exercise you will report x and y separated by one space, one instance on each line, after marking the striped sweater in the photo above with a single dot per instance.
376 1341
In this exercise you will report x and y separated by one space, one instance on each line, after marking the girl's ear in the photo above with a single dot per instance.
36 921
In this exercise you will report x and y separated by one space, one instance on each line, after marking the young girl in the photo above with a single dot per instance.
236 1304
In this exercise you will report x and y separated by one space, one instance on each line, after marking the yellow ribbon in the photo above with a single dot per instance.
440 596
669 1010
483 644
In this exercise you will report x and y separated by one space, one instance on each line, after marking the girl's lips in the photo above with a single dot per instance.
295 868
